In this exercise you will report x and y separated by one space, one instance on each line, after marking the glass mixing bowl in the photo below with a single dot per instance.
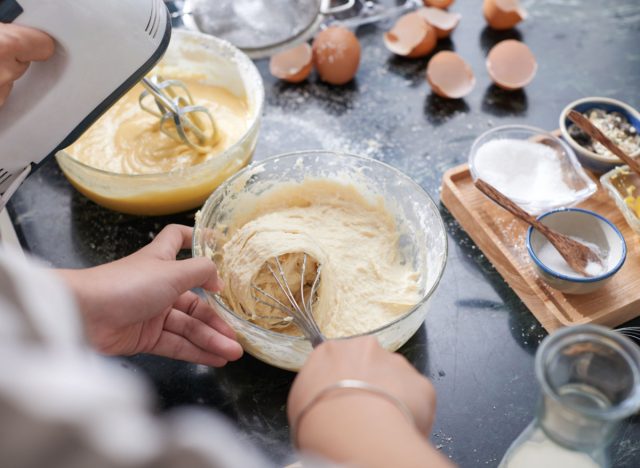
219 64
423 239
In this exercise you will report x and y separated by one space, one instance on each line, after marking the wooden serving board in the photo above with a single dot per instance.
501 237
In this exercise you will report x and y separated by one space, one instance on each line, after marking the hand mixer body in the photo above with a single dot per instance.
103 47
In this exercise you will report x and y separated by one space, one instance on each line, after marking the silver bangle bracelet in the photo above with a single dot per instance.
349 384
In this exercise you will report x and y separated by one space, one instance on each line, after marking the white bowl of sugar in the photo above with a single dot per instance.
585 226
533 168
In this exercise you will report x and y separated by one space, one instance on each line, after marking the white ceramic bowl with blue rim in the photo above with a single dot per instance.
596 162
584 225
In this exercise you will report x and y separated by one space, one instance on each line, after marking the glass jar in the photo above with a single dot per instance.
590 381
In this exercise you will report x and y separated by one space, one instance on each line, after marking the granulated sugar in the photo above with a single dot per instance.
523 170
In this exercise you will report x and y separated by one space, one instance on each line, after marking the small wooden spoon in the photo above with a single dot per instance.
595 133
576 254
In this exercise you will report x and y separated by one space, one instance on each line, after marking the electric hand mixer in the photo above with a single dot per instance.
103 48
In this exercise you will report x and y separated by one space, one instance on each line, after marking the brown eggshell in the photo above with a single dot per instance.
411 36
511 64
438 3
441 20
293 65
336 55
503 14
449 75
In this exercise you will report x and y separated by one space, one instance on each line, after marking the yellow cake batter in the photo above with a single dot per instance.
128 140
364 281
627 184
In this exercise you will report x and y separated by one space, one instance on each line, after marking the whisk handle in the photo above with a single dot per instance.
317 340
309 329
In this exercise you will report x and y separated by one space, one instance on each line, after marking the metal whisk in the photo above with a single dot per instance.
300 312
180 118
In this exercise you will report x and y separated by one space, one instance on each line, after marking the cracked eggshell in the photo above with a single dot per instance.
336 55
441 20
411 36
503 14
293 65
438 3
449 75
511 64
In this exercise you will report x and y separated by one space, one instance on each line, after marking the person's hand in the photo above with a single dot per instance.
355 426
143 304
364 359
19 46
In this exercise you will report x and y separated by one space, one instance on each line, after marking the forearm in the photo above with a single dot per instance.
91 297
365 430
86 291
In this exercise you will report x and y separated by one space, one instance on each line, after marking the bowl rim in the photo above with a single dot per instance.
577 279
308 153
591 186
243 61
595 100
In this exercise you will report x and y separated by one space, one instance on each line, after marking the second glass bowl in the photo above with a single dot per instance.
423 239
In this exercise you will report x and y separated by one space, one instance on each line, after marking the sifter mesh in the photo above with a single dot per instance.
254 24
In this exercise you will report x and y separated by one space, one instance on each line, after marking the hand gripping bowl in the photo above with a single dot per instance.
220 64
423 239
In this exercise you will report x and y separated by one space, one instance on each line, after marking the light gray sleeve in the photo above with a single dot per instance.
61 405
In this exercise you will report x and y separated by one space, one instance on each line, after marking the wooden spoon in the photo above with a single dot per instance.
576 254
595 133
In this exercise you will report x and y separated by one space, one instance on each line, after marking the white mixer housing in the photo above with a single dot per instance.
103 47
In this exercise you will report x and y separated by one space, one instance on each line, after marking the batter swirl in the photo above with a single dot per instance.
365 282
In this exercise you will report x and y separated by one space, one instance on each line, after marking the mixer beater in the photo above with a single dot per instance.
180 118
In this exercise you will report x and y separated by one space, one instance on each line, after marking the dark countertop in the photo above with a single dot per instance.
479 340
